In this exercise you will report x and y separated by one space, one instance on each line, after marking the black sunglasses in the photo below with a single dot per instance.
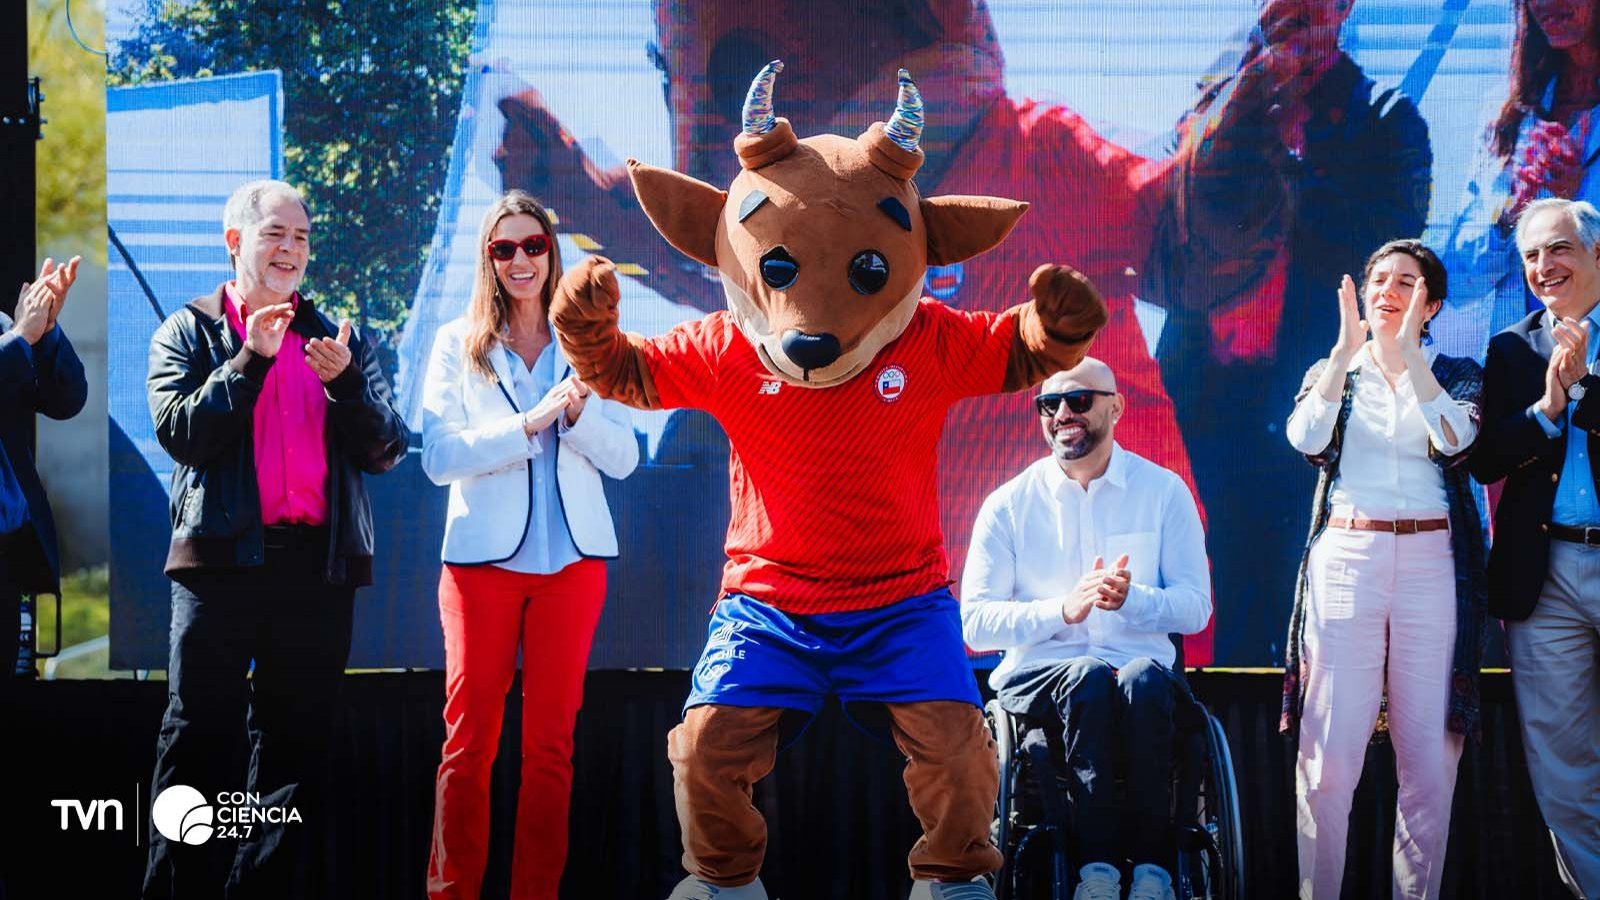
1079 402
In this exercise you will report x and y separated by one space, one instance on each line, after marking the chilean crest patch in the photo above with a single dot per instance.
891 383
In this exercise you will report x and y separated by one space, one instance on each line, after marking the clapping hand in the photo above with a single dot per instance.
551 405
1573 337
1100 587
330 356
577 396
1416 314
265 328
40 301
1352 328
1554 401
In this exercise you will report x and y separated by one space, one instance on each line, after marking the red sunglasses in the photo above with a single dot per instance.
534 245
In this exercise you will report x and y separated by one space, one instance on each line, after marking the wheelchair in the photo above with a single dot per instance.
1032 826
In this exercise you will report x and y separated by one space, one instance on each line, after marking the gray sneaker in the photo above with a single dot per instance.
692 888
1098 881
1151 882
976 889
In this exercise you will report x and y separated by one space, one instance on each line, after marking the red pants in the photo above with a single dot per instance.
485 612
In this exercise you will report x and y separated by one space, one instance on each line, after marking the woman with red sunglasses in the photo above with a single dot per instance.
521 443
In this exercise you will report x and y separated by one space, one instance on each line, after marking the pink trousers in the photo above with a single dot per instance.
1382 608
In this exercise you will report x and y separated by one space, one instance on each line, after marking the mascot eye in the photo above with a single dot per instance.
779 269
869 272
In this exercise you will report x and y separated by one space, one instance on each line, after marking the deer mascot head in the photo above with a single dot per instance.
821 243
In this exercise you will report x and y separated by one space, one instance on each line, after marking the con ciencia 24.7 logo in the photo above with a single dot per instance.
181 813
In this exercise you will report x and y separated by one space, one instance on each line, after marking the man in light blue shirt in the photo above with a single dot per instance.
1541 433
1576 503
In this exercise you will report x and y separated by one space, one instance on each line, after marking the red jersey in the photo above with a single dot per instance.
835 490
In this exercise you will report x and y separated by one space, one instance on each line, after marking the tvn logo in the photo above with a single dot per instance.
91 817
180 813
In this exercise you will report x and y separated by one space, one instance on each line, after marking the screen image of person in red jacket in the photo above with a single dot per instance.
1093 203
1355 164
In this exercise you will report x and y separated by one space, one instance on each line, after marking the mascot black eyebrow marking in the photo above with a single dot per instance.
753 200
892 208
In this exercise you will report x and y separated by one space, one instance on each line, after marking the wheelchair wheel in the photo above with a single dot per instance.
1034 849
1005 739
1223 815
1210 847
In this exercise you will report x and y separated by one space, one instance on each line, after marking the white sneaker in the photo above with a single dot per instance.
976 889
1099 881
1151 882
692 888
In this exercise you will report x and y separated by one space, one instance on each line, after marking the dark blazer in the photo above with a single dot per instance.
1514 447
203 385
44 378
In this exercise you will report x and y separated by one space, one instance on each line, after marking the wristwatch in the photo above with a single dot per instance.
1578 389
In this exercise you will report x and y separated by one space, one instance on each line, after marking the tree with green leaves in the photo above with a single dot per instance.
371 94
70 202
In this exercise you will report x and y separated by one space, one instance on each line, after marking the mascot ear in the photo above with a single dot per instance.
962 227
685 210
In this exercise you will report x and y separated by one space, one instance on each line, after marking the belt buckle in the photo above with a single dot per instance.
1591 535
275 537
1405 526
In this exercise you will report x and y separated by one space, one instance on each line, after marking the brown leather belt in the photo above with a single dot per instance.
1589 535
1398 526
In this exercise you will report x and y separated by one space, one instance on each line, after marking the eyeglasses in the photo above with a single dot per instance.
535 245
1079 402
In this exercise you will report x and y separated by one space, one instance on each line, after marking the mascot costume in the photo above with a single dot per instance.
831 375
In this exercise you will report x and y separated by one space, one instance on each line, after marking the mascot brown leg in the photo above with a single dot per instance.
952 777
718 754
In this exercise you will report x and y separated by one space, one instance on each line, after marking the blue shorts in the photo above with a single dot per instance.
907 652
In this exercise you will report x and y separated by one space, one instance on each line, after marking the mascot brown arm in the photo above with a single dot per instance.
584 313
1055 330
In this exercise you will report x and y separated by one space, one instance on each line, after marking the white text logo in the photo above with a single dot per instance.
95 812
182 814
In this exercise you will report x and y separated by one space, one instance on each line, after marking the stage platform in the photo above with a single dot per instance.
840 826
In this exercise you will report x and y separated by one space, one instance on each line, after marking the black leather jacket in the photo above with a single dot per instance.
203 385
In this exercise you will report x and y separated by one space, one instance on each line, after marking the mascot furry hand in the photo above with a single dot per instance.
831 376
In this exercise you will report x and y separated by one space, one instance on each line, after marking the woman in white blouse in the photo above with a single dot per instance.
521 443
1391 587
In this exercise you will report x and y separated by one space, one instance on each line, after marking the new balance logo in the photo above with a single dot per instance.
770 387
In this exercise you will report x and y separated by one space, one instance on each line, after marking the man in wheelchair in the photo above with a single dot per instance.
1087 644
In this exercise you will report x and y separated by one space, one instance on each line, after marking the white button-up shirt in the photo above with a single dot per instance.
1384 466
547 546
1040 532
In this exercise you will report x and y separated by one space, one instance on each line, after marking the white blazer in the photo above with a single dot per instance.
472 441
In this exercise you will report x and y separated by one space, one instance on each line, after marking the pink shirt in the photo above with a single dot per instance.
290 418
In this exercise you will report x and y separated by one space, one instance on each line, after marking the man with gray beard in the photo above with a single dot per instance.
1087 645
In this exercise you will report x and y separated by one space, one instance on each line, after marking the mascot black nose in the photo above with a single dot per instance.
810 351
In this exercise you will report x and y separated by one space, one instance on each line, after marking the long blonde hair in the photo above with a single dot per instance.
489 310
